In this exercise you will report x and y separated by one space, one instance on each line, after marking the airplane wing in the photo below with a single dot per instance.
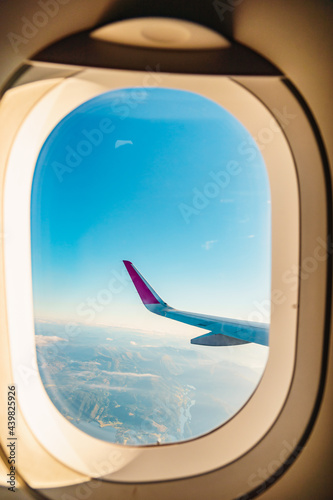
223 331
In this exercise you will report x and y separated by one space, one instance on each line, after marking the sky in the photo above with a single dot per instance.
162 178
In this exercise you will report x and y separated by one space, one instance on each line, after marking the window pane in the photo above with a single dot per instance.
172 182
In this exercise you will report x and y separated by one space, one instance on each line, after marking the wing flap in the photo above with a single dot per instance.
217 339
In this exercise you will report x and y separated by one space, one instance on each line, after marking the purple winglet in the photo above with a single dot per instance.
146 295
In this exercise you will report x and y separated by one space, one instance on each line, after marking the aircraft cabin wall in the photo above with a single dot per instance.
296 36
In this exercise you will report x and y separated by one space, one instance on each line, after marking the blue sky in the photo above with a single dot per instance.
134 174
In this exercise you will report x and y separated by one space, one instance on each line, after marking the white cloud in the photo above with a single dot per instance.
43 340
208 245
111 388
130 374
251 236
122 143
84 364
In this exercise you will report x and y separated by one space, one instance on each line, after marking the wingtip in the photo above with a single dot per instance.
145 291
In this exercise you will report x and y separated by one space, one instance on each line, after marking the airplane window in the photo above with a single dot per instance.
151 264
